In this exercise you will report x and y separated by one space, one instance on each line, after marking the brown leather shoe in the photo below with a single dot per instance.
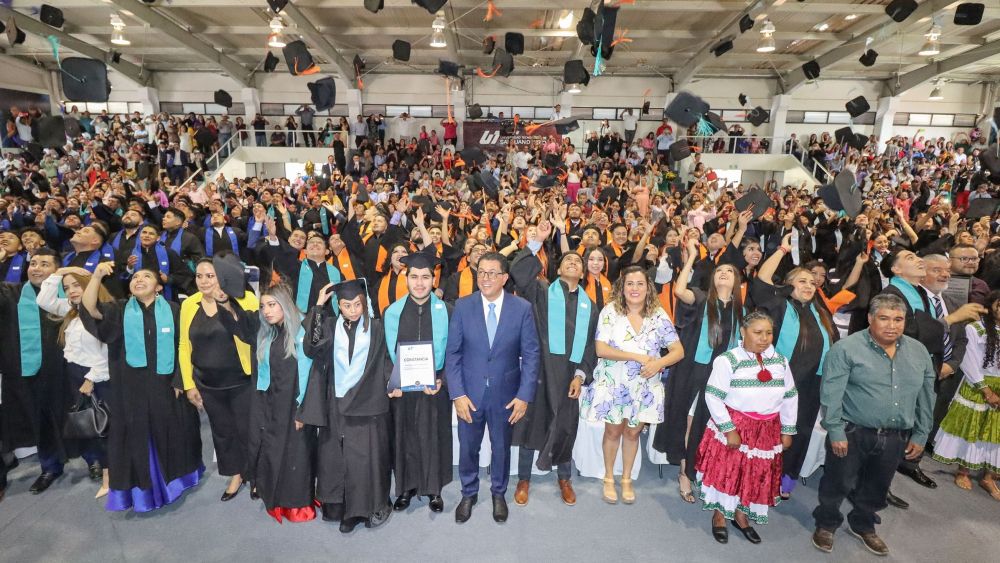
823 540
521 493
872 542
568 495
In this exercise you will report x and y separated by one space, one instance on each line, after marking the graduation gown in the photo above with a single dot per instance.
353 457
550 423
154 440
422 449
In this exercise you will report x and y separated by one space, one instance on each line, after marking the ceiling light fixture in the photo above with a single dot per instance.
573 88
823 27
274 39
437 35
118 31
932 46
566 21
850 17
766 44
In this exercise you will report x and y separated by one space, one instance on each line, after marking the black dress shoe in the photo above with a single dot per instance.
43 482
96 472
379 517
464 509
3 492
749 533
254 495
403 502
436 503
499 509
896 501
721 534
919 476
333 512
227 496
347 525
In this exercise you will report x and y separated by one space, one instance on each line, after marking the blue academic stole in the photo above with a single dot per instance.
789 335
703 353
105 252
16 268
305 284
135 335
29 331
303 363
439 328
557 322
909 292
210 240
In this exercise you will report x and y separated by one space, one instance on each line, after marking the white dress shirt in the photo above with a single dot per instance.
486 307
81 348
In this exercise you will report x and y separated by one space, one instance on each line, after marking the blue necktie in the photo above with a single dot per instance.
491 323
948 345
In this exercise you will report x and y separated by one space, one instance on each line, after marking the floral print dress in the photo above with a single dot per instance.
618 393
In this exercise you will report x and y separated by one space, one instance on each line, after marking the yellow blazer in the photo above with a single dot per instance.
188 310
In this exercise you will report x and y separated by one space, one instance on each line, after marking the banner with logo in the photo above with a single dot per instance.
495 135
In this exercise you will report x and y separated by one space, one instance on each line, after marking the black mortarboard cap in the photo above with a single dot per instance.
223 99
545 181
899 10
324 93
348 290
585 27
275 5
604 30
746 23
487 181
758 115
566 126
14 34
449 68
989 159
513 42
270 62
686 109
552 160
758 199
52 131
475 111
679 150
489 43
298 59
116 57
982 207
362 192
847 136
431 6
743 99
868 57
85 80
645 107
473 155
716 120
420 260
811 69
32 153
722 47
374 6
54 16
857 106
72 127
505 62
230 274
401 50
575 72
851 198
969 13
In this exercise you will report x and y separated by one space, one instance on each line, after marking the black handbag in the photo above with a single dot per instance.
87 419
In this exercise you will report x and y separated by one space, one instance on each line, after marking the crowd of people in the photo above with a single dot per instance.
614 285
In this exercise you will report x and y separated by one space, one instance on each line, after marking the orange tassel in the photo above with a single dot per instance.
621 39
537 23
530 129
491 11
481 74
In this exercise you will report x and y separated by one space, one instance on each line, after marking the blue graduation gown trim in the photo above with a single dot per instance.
439 328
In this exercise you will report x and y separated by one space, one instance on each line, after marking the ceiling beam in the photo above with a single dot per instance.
30 25
937 68
185 38
309 31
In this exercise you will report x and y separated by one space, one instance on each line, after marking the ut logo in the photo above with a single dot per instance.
489 138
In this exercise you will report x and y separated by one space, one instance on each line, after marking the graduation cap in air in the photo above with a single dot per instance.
743 99
401 50
85 80
275 5
230 274
475 111
552 160
298 59
52 131
899 10
982 207
54 16
679 150
514 43
14 34
223 99
473 155
545 181
989 159
746 23
857 106
116 57
362 193
374 6
868 57
503 62
489 43
585 27
846 135
758 116
686 109
323 93
484 180
72 127
575 72
811 70
350 289
449 68
756 198
723 47
645 107
566 125
270 62
604 30
420 260
969 13
431 6
842 194
716 122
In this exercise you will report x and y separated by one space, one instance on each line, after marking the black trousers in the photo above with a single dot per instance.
228 413
526 459
863 476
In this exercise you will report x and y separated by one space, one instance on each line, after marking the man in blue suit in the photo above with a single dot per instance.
492 370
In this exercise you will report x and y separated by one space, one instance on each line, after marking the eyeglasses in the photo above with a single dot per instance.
967 259
488 275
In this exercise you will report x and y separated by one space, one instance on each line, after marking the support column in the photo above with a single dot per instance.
54 84
150 100
251 104
885 114
566 103
779 122
352 97
458 112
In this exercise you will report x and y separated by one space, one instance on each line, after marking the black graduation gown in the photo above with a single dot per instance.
280 461
550 423
191 249
33 408
353 458
145 409
180 277
804 364
320 278
422 449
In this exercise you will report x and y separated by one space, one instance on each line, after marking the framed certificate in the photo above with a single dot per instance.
416 366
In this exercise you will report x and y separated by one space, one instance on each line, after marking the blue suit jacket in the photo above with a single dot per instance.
509 368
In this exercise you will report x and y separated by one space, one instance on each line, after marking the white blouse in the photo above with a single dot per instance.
734 384
82 348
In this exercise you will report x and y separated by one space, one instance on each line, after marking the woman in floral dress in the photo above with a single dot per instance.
627 392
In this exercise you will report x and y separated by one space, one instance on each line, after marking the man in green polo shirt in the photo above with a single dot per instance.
878 400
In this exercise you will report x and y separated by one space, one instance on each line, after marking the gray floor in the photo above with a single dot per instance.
66 524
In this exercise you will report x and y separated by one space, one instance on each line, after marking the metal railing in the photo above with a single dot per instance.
732 144
296 138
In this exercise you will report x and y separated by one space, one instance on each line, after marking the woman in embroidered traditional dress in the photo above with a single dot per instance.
752 399
970 433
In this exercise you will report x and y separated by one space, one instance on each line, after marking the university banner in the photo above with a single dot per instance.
494 135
